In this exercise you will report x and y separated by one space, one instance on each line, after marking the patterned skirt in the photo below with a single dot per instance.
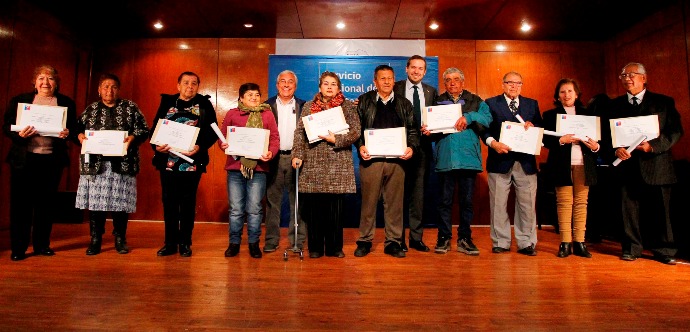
108 191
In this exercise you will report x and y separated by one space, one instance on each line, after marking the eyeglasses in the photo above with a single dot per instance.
512 83
629 75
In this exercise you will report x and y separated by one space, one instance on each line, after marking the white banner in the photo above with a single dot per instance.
371 47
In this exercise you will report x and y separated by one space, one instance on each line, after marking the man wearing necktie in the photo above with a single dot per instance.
647 174
512 169
418 168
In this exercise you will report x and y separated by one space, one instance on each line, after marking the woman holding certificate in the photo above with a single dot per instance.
572 168
180 177
327 171
247 174
36 161
107 181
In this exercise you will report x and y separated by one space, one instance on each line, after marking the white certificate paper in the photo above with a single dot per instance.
178 136
581 126
104 142
319 124
514 135
625 131
247 142
442 117
48 120
384 143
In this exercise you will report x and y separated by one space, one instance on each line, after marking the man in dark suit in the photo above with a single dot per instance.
286 109
507 168
418 168
647 173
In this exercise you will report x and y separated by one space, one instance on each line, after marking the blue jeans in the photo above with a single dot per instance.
245 197
465 180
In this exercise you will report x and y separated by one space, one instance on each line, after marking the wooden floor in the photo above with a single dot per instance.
425 291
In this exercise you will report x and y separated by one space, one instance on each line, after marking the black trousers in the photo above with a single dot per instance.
33 191
179 205
323 214
647 219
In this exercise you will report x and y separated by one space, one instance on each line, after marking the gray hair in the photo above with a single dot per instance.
640 67
287 71
511 73
453 70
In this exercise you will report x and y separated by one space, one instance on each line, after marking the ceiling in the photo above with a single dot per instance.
593 20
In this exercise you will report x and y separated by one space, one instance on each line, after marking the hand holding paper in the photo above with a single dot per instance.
630 149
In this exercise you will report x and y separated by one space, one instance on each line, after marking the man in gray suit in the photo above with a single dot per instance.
418 168
286 109
647 173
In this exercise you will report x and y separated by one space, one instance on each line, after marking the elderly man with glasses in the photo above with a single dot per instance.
512 169
647 174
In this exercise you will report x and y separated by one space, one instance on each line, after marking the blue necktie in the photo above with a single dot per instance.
512 106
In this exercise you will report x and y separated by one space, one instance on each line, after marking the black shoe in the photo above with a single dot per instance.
233 250
363 249
339 254
167 250
579 249
499 250
94 247
626 256
565 249
529 251
394 250
121 245
47 251
417 245
403 246
466 246
315 254
18 256
185 250
668 260
254 250
269 247
442 245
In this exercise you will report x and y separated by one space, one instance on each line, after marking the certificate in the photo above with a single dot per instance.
104 142
179 136
581 126
247 142
442 117
385 143
514 135
319 124
625 131
48 120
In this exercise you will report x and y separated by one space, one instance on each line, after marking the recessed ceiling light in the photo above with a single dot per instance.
433 26
248 25
158 25
525 26
340 25
500 47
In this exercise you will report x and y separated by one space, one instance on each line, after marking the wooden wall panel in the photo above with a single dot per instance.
660 43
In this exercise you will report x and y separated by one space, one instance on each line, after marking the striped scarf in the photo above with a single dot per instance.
254 121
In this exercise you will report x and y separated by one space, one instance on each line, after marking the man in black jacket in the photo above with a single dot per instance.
286 109
385 177
647 173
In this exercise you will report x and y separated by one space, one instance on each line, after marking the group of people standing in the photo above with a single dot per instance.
326 167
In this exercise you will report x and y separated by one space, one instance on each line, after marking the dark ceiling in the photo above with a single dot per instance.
593 20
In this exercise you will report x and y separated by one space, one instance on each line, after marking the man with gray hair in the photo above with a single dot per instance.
458 160
647 174
286 109
512 169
